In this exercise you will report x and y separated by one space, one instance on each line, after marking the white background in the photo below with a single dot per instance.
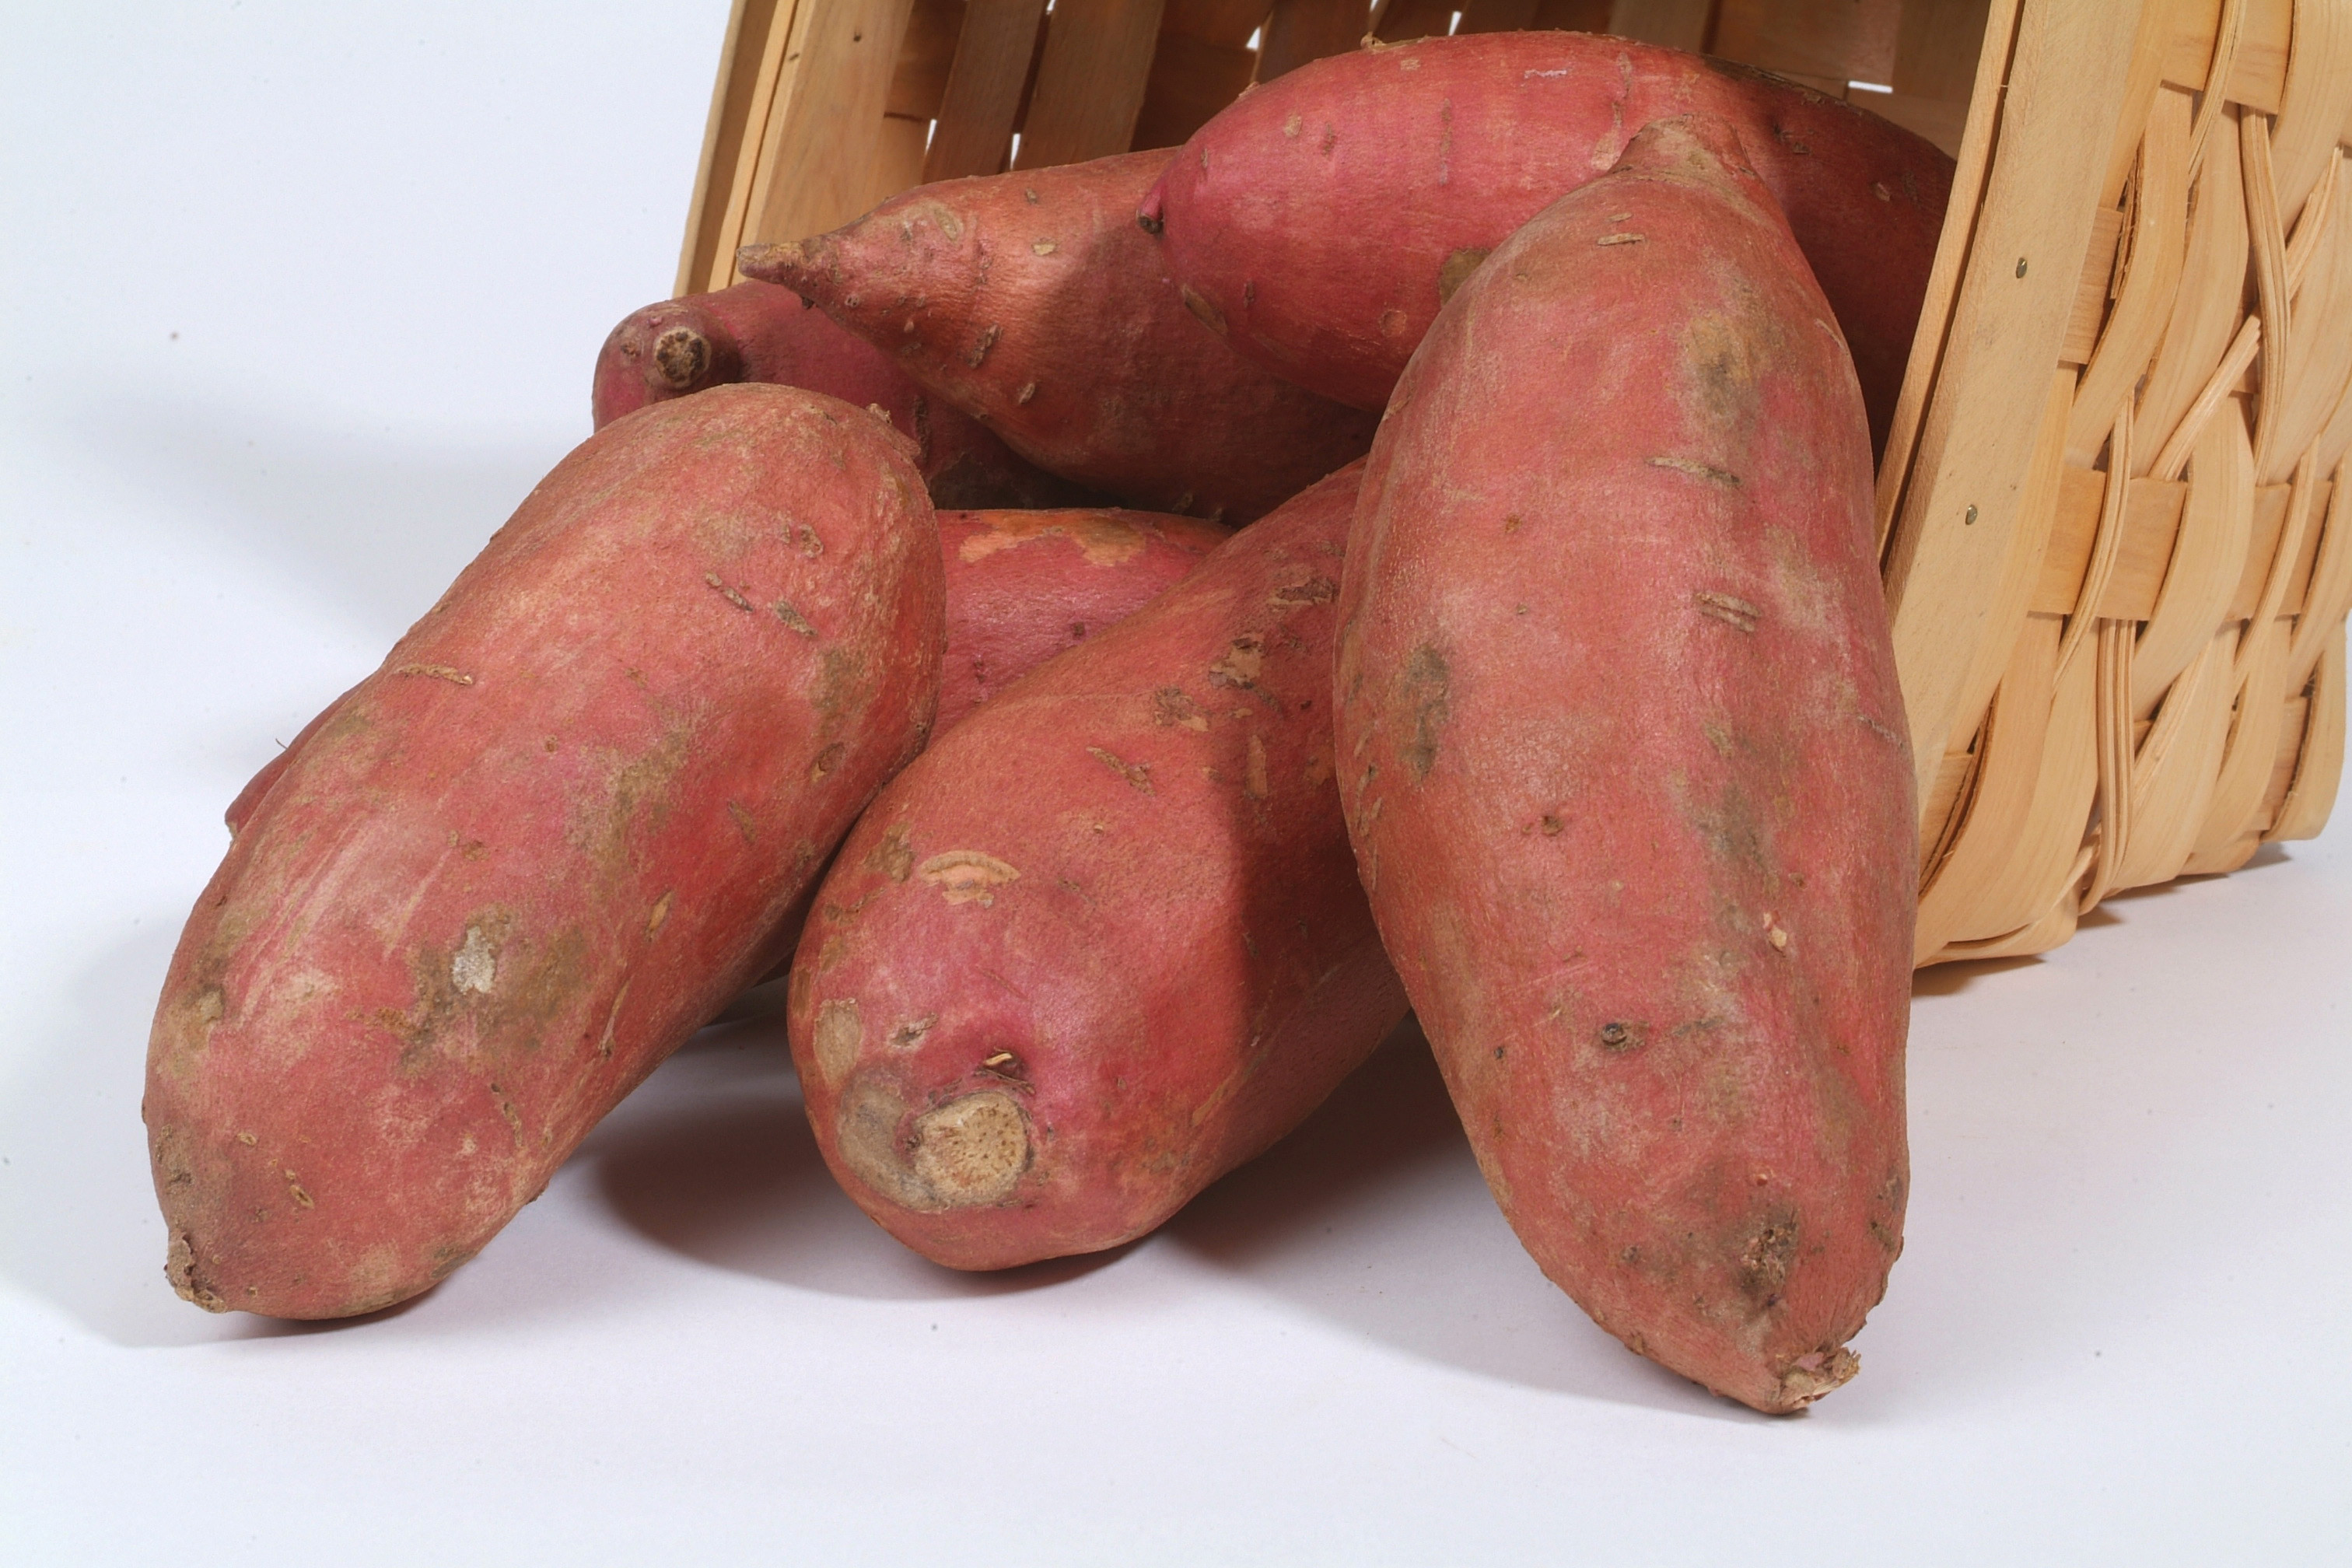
298 301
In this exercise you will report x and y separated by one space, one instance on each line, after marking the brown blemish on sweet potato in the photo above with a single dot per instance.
477 1001
908 1034
1210 316
612 1022
866 1132
1104 539
893 858
1619 1037
1136 775
839 913
732 596
436 672
1456 268
1316 590
1172 706
1255 783
476 966
1732 610
1241 664
1422 703
838 1036
1719 355
967 875
841 686
1699 470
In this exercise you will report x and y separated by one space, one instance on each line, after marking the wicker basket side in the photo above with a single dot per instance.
2114 652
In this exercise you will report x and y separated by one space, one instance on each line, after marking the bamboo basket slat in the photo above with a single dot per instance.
980 100
1311 29
1090 82
2115 546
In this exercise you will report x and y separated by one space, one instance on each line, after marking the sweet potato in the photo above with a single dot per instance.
1626 773
1321 221
560 827
1024 585
1020 587
1033 302
756 331
1103 942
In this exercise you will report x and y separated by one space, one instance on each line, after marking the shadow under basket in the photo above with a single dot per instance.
2116 560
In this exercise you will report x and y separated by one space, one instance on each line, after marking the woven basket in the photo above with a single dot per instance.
2116 569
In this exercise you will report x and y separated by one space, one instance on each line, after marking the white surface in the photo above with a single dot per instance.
297 307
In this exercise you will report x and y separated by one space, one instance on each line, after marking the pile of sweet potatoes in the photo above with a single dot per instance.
1547 692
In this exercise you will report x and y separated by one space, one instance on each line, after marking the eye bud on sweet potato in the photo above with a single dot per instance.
1623 759
563 824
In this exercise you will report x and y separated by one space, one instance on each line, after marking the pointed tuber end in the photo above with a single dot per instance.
1809 1377
790 263
681 359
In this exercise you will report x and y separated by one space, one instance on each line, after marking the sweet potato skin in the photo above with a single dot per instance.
1024 585
756 331
1104 940
1032 301
1021 585
1325 217
557 830
1625 768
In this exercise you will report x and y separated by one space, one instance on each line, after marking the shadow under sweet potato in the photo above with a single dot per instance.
1374 1215
713 1158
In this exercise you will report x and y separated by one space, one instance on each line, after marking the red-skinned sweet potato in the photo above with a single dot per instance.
1033 302
1624 762
1321 221
1104 940
563 825
756 331
1024 586
1020 587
